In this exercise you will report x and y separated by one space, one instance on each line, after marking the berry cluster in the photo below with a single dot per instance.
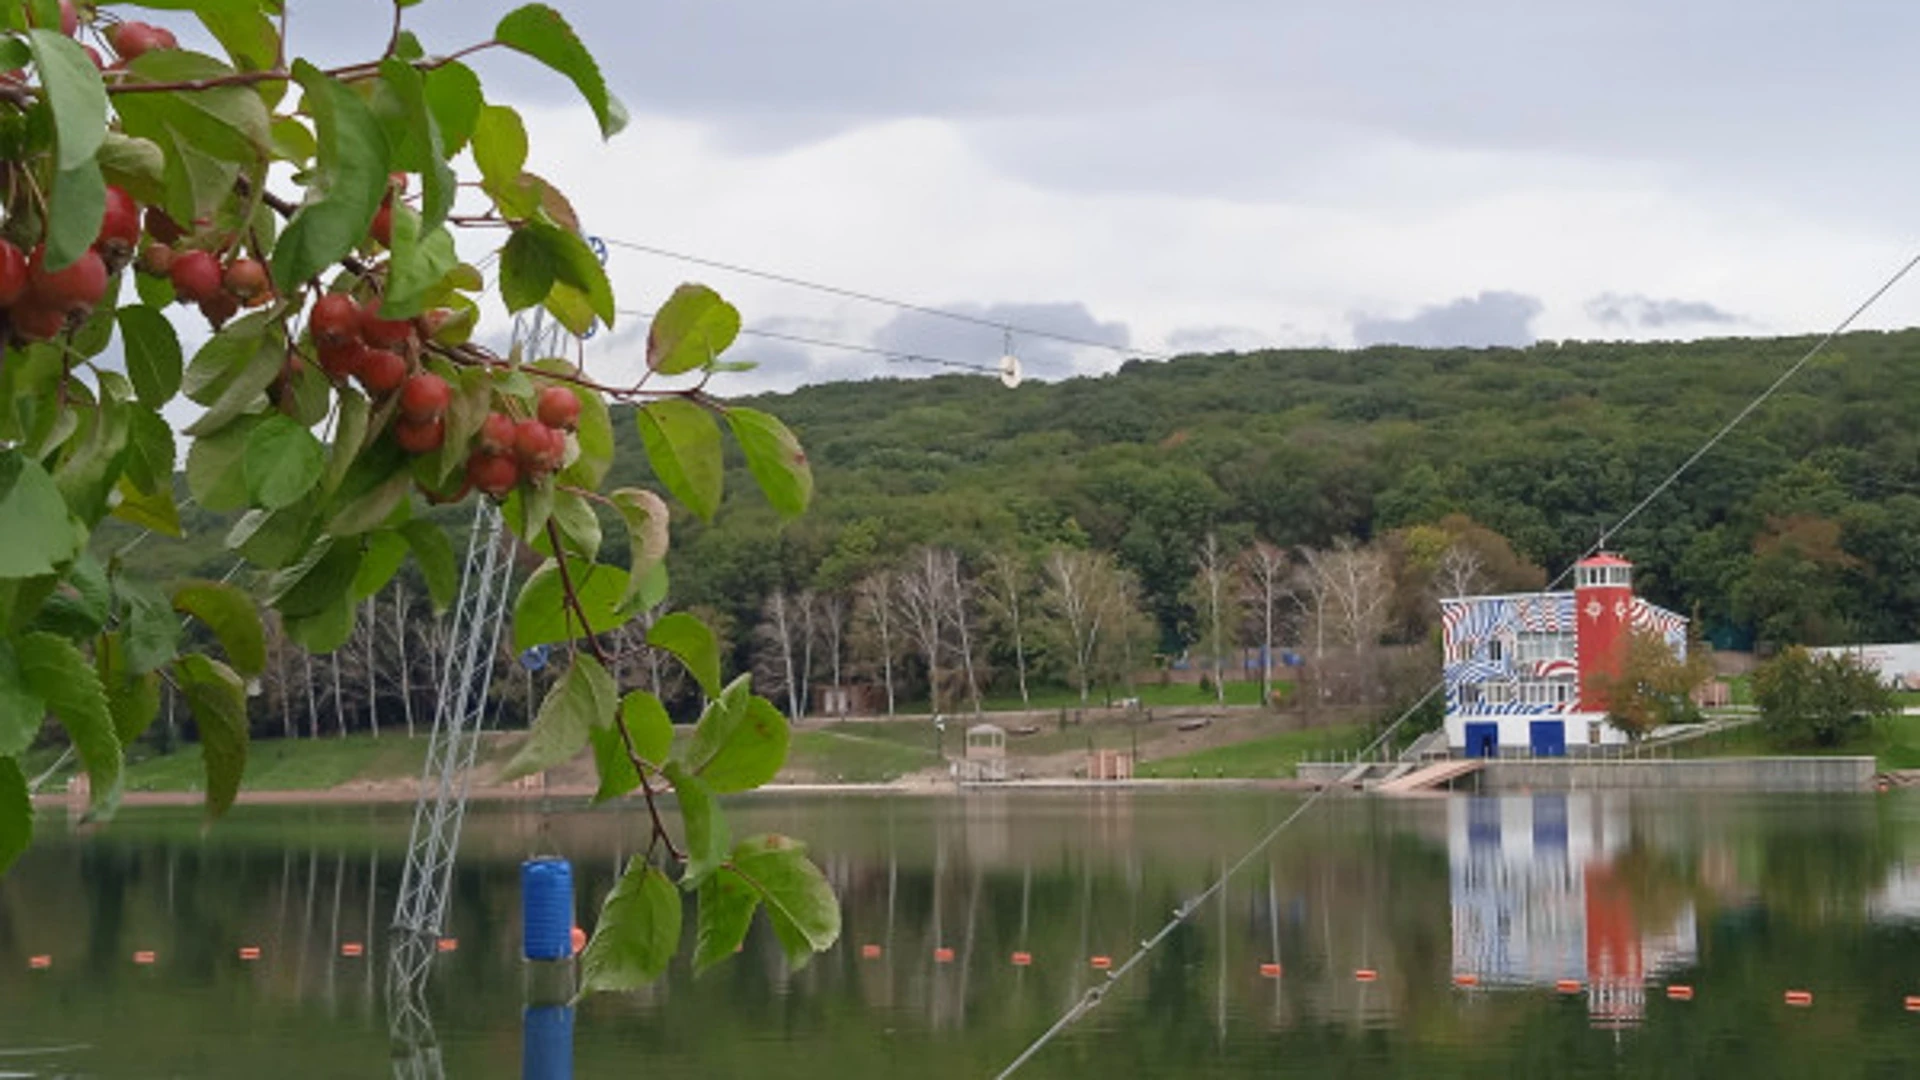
197 273
507 450
39 303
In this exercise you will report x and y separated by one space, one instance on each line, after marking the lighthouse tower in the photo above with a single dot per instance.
1603 603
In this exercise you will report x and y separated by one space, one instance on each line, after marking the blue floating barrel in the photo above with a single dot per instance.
546 909
546 1043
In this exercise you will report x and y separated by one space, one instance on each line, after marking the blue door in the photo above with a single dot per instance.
1483 740
1548 738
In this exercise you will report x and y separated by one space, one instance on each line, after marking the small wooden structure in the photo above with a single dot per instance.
1109 765
986 753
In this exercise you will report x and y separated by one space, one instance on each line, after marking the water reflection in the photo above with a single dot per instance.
943 897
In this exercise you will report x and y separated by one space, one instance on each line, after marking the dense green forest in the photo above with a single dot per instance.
1801 526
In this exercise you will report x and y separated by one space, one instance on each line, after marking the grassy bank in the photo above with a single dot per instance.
1274 756
1151 695
1893 743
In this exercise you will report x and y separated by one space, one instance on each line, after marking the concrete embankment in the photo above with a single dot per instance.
1684 774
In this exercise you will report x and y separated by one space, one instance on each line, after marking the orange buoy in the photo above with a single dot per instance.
1799 998
1101 963
1023 959
249 952
943 955
1466 980
39 963
1365 975
1568 986
144 956
447 944
1679 993
1270 971
578 938
1913 1003
869 952
352 948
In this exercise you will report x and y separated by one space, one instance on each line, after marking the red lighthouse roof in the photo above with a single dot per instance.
1605 558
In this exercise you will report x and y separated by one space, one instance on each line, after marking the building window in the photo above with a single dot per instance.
1497 693
1528 648
1546 692
1496 649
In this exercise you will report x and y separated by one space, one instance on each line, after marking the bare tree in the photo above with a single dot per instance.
1265 573
921 596
1352 591
779 633
957 595
874 623
807 606
1005 580
1460 571
830 618
1088 594
1211 592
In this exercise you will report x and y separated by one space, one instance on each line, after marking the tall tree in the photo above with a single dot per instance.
1005 581
923 612
1211 593
1091 600
1266 574
873 617
780 630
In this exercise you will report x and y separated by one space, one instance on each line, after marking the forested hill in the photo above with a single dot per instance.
1803 524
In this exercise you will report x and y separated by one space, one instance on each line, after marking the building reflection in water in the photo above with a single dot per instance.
1539 897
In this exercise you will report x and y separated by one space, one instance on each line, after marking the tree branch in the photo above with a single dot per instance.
347 73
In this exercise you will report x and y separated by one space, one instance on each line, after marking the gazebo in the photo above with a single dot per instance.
986 753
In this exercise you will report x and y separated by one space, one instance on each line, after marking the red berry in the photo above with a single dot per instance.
420 434
73 289
247 280
119 227
131 39
382 333
155 259
69 18
93 54
492 473
440 498
32 322
496 433
344 359
381 372
530 443
196 276
161 227
218 308
335 320
557 407
382 228
13 274
425 395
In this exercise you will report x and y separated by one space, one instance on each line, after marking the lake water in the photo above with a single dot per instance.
1739 898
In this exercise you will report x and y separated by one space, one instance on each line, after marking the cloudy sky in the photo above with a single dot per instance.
1230 173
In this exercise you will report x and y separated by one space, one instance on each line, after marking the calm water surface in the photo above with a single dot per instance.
1740 898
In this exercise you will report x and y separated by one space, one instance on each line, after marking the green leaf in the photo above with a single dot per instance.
231 372
612 765
385 552
376 506
319 580
638 932
434 552
579 526
283 462
232 616
226 123
16 813
216 463
150 453
538 31
81 602
422 151
726 909
707 834
56 672
249 37
453 93
419 266
648 723
21 710
325 630
741 740
76 206
774 457
153 354
94 461
799 902
584 698
500 150
150 631
690 329
541 615
646 518
40 533
683 445
349 434
148 510
527 270
219 703
137 166
272 539
686 637
77 97
351 181
133 701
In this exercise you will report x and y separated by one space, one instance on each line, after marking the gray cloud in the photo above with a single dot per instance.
1491 318
947 339
1641 312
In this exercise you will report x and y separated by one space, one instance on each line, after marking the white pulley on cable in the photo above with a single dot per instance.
1010 371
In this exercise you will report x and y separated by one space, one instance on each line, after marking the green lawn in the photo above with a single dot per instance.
1151 695
862 756
272 764
1893 743
1273 756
